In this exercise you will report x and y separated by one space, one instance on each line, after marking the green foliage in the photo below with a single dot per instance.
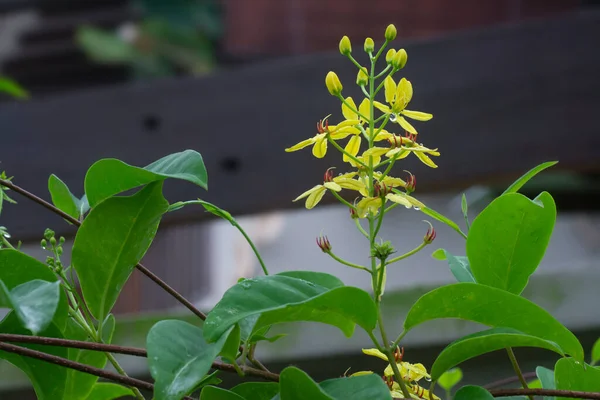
108 391
450 378
365 387
216 393
280 298
109 177
257 390
295 384
484 342
125 226
34 302
596 352
519 183
546 378
64 200
570 374
459 265
493 307
179 358
473 393
508 240
12 88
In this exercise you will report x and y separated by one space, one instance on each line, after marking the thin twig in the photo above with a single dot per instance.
545 392
76 222
506 381
131 351
515 364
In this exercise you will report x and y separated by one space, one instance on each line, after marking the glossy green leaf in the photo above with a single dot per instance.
365 387
179 358
79 384
546 378
48 380
596 352
450 378
12 88
518 184
34 302
459 265
271 339
483 342
108 391
573 375
257 390
17 268
443 219
320 278
281 298
232 345
295 384
508 240
109 177
111 241
495 308
473 393
439 254
62 198
216 393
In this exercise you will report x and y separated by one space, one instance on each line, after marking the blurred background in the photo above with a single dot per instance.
511 83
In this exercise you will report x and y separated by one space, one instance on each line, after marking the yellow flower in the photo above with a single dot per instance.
400 147
398 97
349 110
316 193
335 132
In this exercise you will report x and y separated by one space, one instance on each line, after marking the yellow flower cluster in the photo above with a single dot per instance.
362 128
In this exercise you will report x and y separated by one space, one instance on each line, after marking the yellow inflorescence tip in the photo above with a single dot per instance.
333 83
345 46
390 32
400 59
369 45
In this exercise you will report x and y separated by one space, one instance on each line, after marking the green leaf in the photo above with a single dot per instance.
105 47
483 342
572 375
109 177
546 378
62 197
12 88
179 358
79 384
272 339
48 380
473 393
281 298
17 268
450 378
215 393
518 184
295 384
596 352
464 206
232 345
108 391
257 390
508 240
34 302
459 266
111 241
320 278
365 387
439 254
443 219
495 308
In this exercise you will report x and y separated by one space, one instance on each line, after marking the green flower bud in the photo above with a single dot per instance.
44 244
53 241
399 60
61 240
48 233
369 45
362 78
389 56
382 250
390 32
333 83
345 46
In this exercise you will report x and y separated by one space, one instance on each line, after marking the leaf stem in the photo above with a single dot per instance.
515 365
408 254
347 263
251 243
360 228
122 372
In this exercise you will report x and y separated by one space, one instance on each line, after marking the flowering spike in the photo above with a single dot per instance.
430 234
324 244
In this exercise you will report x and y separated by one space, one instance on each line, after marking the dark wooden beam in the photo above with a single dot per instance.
504 99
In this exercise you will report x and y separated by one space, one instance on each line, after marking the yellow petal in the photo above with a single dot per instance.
333 186
344 132
351 184
352 147
365 108
382 107
408 372
348 122
347 111
423 149
345 176
425 159
375 151
375 352
383 135
301 145
308 192
320 147
406 125
315 197
394 153
361 373
368 205
390 89
418 115
400 199
393 182
404 93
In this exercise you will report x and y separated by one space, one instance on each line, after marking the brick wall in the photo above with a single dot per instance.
284 27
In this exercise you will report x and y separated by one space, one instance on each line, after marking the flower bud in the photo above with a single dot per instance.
411 183
53 241
362 78
323 243
333 83
399 60
430 234
369 45
345 46
390 32
389 56
43 243
353 213
61 240
382 250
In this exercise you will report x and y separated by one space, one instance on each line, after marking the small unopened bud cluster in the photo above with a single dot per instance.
324 244
383 250
55 247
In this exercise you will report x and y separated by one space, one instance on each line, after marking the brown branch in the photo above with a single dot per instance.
132 351
76 222
545 392
506 381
